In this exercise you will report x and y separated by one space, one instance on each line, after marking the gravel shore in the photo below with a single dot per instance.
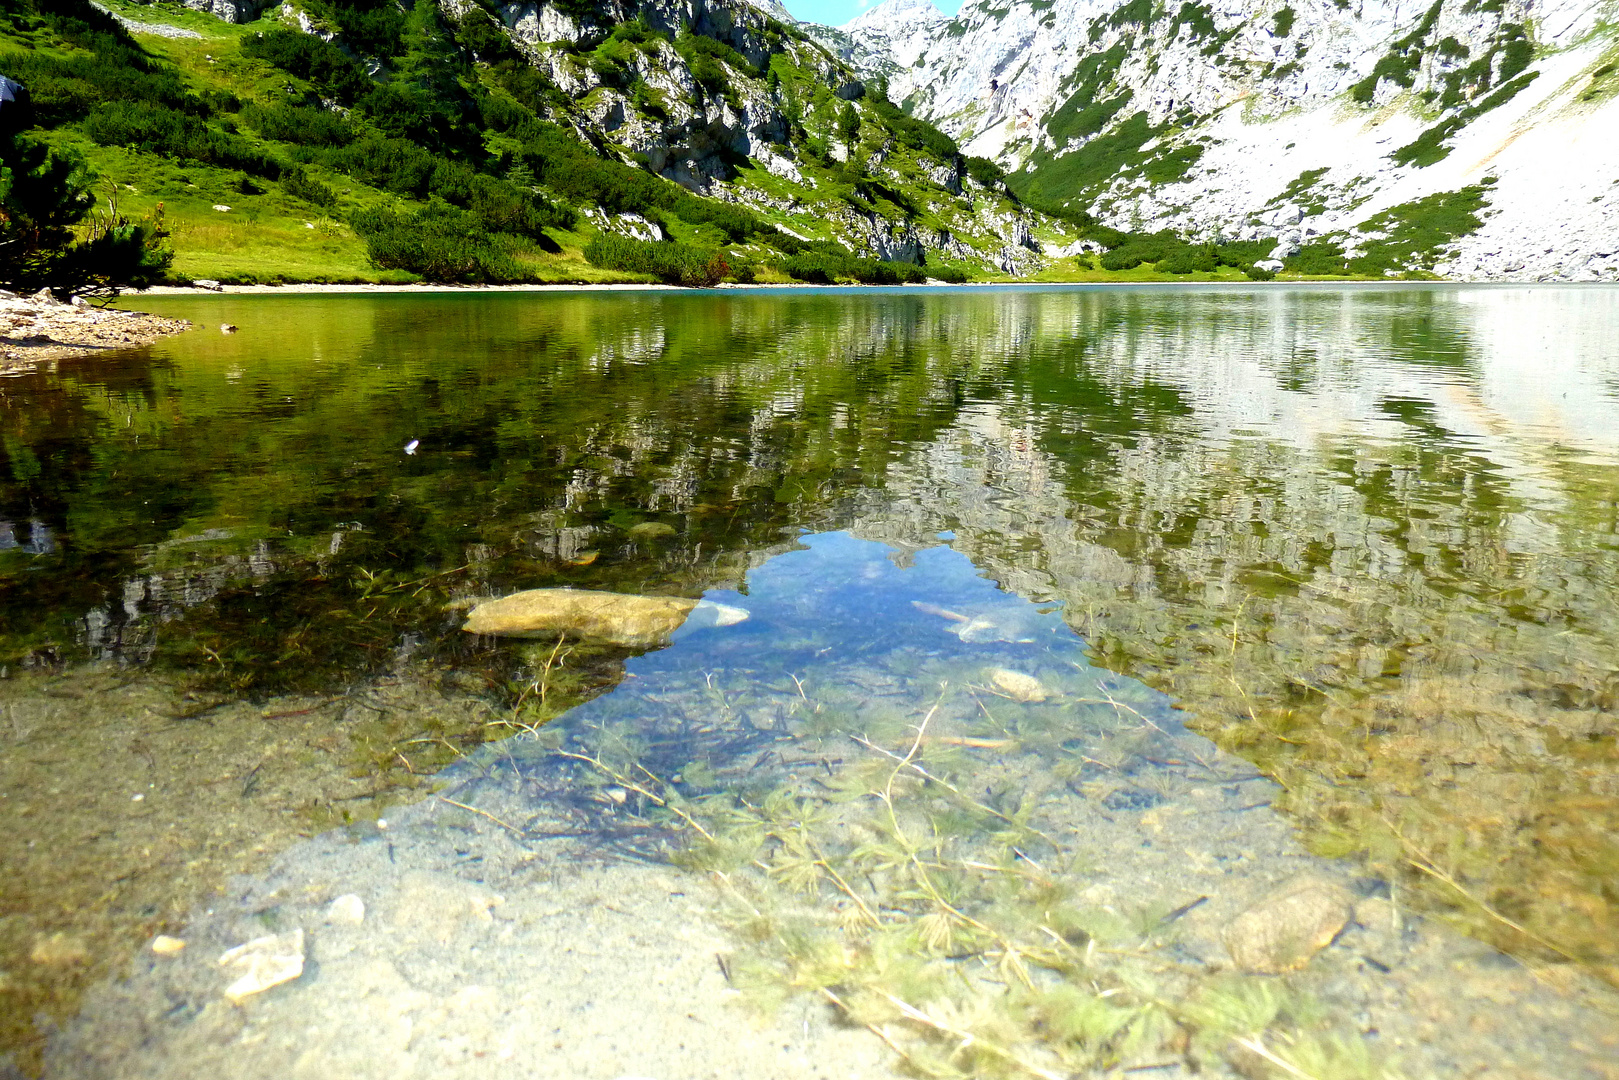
38 329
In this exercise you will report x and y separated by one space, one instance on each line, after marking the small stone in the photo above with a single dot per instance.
1018 686
263 962
59 950
346 910
163 945
1289 926
208 283
226 328
222 208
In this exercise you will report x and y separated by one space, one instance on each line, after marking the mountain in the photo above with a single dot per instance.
884 40
688 140
1472 138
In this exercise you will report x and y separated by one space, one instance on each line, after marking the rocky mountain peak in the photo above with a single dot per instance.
896 17
1211 118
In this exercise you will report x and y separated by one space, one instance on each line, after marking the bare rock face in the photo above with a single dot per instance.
595 616
232 11
1289 926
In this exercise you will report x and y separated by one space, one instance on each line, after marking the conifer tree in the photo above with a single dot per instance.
44 195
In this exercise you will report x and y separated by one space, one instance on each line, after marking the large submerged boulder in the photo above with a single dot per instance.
620 618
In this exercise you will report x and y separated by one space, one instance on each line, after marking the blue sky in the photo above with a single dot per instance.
837 12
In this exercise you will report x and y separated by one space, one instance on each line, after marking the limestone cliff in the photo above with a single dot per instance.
1302 122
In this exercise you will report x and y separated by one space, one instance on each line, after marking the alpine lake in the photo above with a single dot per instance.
1083 624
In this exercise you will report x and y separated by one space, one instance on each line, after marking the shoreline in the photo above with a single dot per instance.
317 288
38 329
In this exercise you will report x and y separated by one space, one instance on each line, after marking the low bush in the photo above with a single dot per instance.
1187 259
822 268
1318 258
308 57
986 172
159 129
706 59
953 275
911 132
441 243
1133 249
298 124
673 263
300 185
53 237
396 165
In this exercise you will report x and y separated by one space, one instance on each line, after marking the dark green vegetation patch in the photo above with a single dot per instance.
1414 236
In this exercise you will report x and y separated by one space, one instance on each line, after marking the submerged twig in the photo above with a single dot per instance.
633 786
482 813
906 763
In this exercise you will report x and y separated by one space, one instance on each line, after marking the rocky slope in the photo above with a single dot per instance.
1325 125
728 99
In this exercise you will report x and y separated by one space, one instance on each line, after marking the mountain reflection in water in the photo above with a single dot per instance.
1367 536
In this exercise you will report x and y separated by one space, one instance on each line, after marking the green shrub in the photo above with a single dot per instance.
1320 257
44 195
821 267
706 59
111 67
441 243
1137 248
1283 21
308 57
1416 232
158 129
952 274
911 132
1197 17
673 263
370 27
298 124
300 185
1136 12
396 165
986 172
1187 259
1259 273
1403 60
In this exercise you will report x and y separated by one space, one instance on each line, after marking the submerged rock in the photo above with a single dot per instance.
263 962
1014 624
346 910
164 945
1289 926
620 618
1018 686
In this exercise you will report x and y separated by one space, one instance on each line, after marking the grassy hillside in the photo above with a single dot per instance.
415 146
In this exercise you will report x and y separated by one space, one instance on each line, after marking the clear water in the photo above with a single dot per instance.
1367 539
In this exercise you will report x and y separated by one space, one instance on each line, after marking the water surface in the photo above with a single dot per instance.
1367 538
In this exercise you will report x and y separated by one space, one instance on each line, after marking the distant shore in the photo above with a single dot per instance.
311 287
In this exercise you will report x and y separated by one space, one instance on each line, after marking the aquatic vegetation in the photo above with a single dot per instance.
948 925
